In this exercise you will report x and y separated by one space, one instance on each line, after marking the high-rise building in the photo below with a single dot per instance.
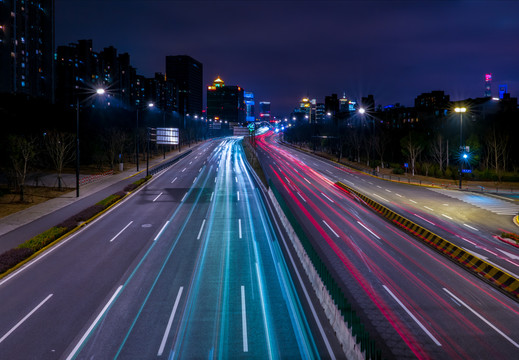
188 76
265 110
249 106
26 47
488 85
225 103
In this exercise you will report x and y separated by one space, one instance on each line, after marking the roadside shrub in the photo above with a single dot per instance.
111 199
398 171
39 241
511 236
88 213
136 184
10 258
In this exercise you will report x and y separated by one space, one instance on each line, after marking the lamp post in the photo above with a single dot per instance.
461 110
99 91
150 105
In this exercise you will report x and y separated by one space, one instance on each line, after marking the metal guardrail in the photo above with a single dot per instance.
349 315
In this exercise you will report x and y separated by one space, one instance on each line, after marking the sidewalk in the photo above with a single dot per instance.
20 218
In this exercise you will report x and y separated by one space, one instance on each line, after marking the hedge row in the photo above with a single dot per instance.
12 257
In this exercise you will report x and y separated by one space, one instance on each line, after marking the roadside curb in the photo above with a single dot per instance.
484 270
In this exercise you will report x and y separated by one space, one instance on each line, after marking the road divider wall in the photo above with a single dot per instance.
351 333
490 273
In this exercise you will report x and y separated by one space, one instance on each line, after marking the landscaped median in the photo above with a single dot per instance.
492 274
16 257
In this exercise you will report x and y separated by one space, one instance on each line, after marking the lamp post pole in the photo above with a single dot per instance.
461 110
99 91
77 147
137 140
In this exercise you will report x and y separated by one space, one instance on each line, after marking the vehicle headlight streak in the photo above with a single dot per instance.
305 342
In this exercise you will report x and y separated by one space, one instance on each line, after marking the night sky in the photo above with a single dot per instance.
285 50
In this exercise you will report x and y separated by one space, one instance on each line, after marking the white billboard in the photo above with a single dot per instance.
167 136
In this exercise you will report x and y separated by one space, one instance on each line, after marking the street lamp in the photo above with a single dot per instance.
99 91
461 110
150 105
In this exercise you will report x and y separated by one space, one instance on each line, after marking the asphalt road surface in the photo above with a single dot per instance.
415 303
189 266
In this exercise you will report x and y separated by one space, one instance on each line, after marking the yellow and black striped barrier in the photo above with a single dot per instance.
494 275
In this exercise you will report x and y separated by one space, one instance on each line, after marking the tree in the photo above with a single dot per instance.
412 146
116 140
60 148
22 151
497 146
438 151
381 142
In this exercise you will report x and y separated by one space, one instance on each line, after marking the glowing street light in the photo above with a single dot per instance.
362 111
98 91
461 110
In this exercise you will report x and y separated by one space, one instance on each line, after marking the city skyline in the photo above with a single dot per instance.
283 51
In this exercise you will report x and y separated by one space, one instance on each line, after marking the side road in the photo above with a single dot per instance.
23 225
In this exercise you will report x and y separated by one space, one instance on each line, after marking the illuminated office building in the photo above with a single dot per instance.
226 103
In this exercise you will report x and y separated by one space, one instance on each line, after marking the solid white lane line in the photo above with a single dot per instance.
329 227
482 318
161 230
25 318
201 229
172 181
170 322
412 316
120 232
365 227
94 323
470 227
330 200
244 320
157 197
239 227
447 216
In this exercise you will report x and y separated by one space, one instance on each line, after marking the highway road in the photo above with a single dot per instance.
415 303
189 266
